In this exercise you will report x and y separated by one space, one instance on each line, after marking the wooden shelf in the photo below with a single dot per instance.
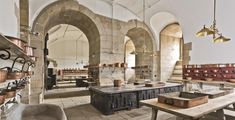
13 49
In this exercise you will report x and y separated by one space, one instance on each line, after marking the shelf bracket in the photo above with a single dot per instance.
6 55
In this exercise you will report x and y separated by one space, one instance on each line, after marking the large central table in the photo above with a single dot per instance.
109 99
194 113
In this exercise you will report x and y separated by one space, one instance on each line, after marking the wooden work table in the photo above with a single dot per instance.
194 113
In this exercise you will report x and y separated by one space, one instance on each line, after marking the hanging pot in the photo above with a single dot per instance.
15 74
3 75
20 43
33 58
29 50
2 96
10 91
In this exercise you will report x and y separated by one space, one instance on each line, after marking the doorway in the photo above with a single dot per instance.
171 47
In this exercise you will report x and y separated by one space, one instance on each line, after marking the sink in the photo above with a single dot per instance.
37 112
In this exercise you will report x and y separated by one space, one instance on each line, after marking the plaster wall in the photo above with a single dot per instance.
9 14
192 15
64 52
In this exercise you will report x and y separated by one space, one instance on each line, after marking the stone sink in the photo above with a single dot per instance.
37 112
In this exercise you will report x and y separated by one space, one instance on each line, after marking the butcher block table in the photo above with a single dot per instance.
195 113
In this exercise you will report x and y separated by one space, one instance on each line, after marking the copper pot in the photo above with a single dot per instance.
33 58
29 73
29 50
117 64
124 65
117 83
10 93
3 75
20 43
2 99
15 75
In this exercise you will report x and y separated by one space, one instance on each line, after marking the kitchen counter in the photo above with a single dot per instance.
108 99
128 88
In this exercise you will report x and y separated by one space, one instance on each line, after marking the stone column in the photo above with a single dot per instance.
24 35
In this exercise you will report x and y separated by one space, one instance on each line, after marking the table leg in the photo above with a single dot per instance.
154 114
201 85
220 114
185 86
234 106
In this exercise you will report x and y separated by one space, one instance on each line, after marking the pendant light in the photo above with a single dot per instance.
217 37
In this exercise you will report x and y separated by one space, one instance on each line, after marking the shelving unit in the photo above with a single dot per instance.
10 51
209 72
6 44
143 72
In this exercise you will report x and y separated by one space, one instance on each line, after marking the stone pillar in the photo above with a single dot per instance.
37 80
24 35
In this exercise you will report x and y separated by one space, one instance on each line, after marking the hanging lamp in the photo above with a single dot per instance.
217 37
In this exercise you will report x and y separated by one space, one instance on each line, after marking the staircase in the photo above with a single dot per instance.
177 72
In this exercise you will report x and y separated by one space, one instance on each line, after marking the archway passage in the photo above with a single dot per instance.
129 58
144 49
71 13
171 46
68 50
68 46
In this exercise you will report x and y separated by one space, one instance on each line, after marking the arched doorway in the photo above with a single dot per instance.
68 46
171 50
71 13
143 43
129 58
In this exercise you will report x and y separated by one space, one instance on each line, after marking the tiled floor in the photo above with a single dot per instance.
77 107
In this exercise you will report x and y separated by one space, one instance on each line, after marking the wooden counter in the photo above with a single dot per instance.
108 99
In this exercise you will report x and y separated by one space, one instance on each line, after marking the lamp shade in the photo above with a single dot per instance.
221 38
205 31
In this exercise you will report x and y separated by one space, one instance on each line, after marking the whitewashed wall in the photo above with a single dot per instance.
191 14
9 17
64 52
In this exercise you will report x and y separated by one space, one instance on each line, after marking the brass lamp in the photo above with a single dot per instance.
205 31
212 31
221 38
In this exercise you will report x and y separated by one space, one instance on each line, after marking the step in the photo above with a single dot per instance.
179 63
176 78
178 67
177 72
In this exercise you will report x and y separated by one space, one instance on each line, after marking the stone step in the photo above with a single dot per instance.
179 62
176 77
177 72
178 67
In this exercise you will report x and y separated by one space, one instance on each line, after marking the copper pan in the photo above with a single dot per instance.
20 43
2 96
10 93
29 50
3 75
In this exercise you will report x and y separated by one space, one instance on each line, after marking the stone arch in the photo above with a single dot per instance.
140 34
63 12
72 13
171 50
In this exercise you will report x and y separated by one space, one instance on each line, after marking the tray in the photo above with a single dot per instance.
183 99
155 84
217 93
